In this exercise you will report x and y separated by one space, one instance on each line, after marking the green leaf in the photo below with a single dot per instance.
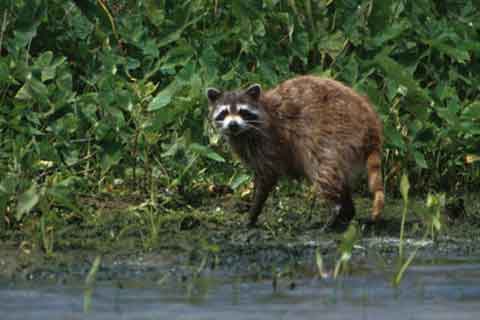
154 12
186 74
333 44
394 137
44 59
33 89
472 111
420 159
461 56
206 152
418 99
349 238
392 32
113 153
164 97
27 201
239 180
178 56
24 93
174 36
246 9
48 73
209 61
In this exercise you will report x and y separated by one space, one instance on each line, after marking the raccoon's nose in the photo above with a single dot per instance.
233 126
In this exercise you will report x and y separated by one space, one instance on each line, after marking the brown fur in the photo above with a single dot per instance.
314 128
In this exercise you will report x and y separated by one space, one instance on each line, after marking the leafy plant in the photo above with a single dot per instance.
349 238
432 222
103 96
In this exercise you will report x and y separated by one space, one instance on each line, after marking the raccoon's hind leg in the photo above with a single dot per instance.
344 210
375 183
332 186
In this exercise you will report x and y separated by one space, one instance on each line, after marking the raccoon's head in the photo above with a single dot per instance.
236 112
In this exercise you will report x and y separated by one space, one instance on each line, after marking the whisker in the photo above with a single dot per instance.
260 131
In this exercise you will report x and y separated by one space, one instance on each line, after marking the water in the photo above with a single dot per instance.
428 291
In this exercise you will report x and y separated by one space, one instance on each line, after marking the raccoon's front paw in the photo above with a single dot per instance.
333 225
337 226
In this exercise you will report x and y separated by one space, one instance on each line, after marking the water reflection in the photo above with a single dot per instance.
444 291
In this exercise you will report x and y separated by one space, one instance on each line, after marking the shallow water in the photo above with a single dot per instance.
428 291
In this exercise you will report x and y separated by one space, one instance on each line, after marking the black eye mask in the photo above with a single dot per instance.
221 116
247 115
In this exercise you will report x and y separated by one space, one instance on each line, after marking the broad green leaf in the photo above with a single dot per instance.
448 115
301 46
24 93
349 238
154 12
186 74
246 9
174 36
112 155
392 32
44 60
419 100
178 56
210 61
26 202
472 111
39 90
420 159
163 98
239 180
48 73
206 152
333 44
461 56
33 89
394 137
159 119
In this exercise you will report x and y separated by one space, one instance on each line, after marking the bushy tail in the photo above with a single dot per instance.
375 182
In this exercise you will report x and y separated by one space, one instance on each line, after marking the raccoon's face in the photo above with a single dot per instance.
236 112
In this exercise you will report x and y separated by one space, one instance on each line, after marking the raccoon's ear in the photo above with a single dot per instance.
254 91
213 94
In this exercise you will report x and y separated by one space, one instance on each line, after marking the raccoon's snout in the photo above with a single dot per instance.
233 125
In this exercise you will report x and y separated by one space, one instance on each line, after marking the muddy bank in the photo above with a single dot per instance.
226 260
214 238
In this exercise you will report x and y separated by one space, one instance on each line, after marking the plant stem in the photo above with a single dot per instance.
402 229
4 28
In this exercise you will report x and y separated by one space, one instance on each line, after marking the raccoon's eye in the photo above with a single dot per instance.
221 115
247 115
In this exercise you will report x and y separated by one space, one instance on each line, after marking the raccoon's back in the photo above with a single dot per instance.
323 116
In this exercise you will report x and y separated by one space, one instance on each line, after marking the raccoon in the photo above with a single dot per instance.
306 127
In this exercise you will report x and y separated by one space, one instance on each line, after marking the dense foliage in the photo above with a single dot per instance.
105 95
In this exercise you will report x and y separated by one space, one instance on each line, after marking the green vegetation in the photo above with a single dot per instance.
103 121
